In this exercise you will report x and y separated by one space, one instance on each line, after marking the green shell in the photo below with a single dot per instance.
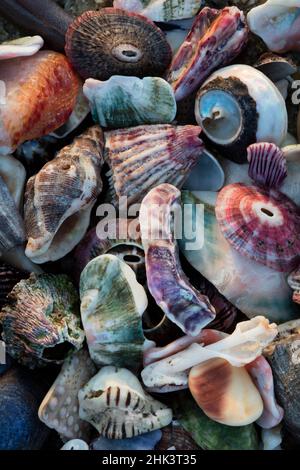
112 303
130 101
210 435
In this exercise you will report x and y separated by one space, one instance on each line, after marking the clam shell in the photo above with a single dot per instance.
161 10
267 164
14 175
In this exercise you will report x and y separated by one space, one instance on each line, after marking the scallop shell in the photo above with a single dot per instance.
21 47
59 199
14 176
261 224
161 10
116 405
130 101
267 164
59 408
41 93
115 42
112 304
41 321
145 156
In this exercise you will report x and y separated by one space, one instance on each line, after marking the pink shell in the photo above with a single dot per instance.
261 224
267 164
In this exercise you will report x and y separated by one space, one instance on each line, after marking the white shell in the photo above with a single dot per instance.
21 47
161 10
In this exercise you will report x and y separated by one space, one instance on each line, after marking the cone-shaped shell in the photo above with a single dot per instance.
161 10
21 47
41 321
59 199
145 156
40 94
112 304
267 164
116 405
111 41
261 224
130 101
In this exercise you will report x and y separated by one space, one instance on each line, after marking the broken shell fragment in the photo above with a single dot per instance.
267 164
276 68
41 322
112 304
180 301
59 409
161 10
130 101
114 402
111 41
145 156
14 176
59 199
41 93
21 47
238 106
261 224
215 39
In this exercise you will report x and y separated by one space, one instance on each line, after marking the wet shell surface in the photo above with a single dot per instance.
112 304
161 10
261 224
59 199
41 322
21 47
114 402
116 42
130 101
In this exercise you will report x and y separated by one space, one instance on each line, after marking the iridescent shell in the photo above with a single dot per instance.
59 409
21 47
112 304
145 156
261 224
41 93
130 101
59 199
161 10
216 38
98 47
267 164
41 321
115 403
14 176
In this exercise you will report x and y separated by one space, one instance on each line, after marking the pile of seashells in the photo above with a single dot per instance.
143 340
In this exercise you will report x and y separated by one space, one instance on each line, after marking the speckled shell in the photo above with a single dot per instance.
41 320
267 164
161 10
130 101
261 224
145 156
59 199
116 42
21 47
9 277
12 232
40 95
112 304
59 409
116 405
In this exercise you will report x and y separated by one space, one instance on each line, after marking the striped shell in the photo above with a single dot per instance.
161 10
116 405
267 164
261 224
59 199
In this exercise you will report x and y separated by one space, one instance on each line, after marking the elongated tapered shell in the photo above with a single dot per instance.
59 199
12 233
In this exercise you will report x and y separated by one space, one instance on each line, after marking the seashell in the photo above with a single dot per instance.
267 164
112 304
176 32
77 7
182 304
20 395
114 402
75 444
146 441
21 47
145 156
175 437
294 282
14 175
41 321
225 393
277 23
59 408
9 277
41 93
98 47
272 438
238 106
157 326
275 67
207 175
283 88
253 288
161 10
215 39
130 101
59 199
261 224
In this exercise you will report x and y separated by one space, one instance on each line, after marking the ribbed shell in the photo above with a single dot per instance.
267 164
261 224
62 193
12 231
161 10
145 156
9 277
110 42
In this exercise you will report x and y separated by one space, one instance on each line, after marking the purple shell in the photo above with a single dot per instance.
267 164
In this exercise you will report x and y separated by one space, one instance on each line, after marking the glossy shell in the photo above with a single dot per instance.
267 164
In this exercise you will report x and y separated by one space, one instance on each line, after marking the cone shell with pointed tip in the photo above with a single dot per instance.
41 321
130 101
59 199
111 41
116 405
145 156
267 164
41 93
261 224
21 47
161 10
